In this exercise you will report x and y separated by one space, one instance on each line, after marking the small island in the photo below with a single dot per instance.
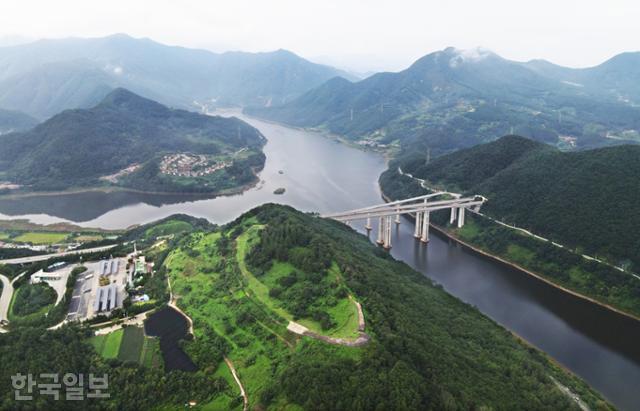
279 191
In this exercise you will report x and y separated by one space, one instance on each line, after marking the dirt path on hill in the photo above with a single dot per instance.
235 377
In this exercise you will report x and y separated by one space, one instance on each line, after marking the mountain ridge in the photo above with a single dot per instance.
453 98
558 195
127 130
173 75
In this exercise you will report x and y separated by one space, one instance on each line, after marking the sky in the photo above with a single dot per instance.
359 35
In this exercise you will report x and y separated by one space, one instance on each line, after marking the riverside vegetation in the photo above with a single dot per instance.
242 283
583 200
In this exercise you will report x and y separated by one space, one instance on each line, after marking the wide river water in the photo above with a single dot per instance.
325 176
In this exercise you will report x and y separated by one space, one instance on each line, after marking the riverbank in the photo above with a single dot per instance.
116 189
524 270
531 273
387 154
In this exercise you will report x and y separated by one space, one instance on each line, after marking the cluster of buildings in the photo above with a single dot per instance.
371 143
108 267
106 298
189 165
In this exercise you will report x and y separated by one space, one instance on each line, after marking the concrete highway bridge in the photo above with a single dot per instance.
43 257
418 207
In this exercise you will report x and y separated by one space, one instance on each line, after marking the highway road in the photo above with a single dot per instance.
35 258
5 297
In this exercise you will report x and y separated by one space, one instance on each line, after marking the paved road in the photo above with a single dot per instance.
5 298
43 257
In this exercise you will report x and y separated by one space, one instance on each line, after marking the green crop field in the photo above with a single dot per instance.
129 344
88 238
108 345
41 238
132 343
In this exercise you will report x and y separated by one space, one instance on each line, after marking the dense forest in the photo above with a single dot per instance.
66 350
77 147
433 351
585 200
428 350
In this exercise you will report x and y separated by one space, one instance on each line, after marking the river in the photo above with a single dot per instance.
325 176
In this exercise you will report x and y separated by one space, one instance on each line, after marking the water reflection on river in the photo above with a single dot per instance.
322 175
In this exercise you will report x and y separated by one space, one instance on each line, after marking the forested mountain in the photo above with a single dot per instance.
427 351
586 199
15 121
77 147
48 76
618 77
458 98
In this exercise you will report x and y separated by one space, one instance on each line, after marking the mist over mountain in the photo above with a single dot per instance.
457 98
48 76
15 121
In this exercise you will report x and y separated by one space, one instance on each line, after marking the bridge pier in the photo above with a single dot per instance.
368 225
425 228
397 215
387 240
452 218
461 217
381 231
416 232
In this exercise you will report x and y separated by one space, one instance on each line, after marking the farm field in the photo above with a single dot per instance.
39 238
129 344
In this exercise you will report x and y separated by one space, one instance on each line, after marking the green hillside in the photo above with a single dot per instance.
427 350
583 199
129 141
454 98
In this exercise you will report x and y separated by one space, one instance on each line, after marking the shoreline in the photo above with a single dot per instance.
386 154
515 266
107 190
533 274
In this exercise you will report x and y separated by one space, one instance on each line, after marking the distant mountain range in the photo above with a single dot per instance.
15 121
47 76
131 135
458 98
583 199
